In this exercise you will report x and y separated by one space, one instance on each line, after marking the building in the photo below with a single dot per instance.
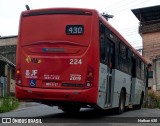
8 47
7 77
7 64
149 30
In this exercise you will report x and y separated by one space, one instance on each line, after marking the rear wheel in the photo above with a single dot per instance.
121 102
141 101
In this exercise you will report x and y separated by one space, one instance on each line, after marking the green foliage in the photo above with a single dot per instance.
8 103
153 100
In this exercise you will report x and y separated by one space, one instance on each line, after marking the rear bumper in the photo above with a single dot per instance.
88 96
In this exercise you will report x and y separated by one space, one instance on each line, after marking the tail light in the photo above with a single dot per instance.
89 77
18 77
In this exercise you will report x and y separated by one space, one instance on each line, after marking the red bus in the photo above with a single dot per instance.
73 58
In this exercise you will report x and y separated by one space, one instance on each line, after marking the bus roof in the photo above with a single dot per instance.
76 11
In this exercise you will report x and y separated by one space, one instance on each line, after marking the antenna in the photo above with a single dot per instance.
27 7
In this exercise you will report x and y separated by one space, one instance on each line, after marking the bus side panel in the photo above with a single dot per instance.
121 80
139 87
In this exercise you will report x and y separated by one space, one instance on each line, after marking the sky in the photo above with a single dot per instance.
124 20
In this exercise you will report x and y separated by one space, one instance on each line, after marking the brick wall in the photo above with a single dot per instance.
151 45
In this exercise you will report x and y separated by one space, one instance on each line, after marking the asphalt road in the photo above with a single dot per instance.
30 112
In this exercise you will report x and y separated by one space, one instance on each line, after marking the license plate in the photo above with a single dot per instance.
52 84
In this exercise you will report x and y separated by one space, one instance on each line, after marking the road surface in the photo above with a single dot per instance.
52 116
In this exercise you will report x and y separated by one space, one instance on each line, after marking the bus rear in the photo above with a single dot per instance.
57 61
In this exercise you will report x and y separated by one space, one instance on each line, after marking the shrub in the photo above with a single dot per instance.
8 103
153 100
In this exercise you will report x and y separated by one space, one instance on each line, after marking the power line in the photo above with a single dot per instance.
128 7
135 43
130 34
112 5
124 5
128 29
155 45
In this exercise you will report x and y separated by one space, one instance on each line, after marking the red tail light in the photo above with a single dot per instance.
18 77
89 77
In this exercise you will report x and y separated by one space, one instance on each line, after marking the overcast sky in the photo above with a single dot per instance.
124 20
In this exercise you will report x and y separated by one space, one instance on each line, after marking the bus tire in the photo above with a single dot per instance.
122 100
141 101
71 109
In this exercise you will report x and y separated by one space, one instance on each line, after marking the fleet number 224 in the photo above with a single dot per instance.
75 61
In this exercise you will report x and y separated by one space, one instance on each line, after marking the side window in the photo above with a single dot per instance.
107 52
123 57
102 42
142 70
110 60
133 66
129 60
138 67
122 51
113 55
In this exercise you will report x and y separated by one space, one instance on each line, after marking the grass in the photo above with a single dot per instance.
8 103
